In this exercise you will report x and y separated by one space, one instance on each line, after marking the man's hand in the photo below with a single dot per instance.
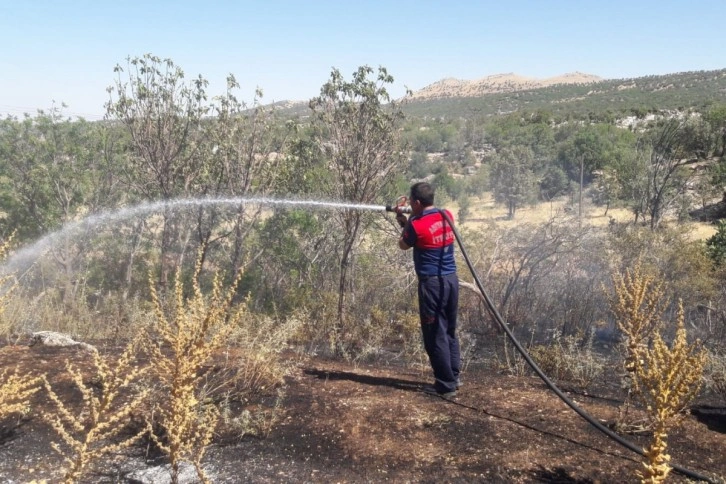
401 219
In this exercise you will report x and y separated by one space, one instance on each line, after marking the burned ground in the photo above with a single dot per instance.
372 423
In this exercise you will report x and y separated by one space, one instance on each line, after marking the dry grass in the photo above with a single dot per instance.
483 208
569 358
716 375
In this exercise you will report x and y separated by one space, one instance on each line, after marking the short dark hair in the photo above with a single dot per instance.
422 192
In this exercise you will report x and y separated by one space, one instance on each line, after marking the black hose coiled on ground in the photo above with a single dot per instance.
495 314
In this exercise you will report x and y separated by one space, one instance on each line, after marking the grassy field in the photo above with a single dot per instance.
483 209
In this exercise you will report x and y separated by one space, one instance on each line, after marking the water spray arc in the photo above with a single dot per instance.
591 420
27 255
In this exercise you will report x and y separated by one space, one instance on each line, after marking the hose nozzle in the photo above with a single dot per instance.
398 209
400 206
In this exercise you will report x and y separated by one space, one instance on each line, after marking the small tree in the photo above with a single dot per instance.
243 162
7 285
666 177
716 118
512 178
359 129
164 118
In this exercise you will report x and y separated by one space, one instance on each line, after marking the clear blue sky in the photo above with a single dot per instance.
65 51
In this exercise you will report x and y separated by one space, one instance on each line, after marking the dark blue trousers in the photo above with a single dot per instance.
438 299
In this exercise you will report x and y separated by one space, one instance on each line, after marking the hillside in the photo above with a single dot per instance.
578 95
499 83
574 94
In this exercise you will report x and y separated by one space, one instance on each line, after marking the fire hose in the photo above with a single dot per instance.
400 207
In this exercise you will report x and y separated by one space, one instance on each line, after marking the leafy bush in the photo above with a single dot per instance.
716 244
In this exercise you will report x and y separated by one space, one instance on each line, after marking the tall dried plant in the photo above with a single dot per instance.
16 391
184 341
637 306
667 379
108 404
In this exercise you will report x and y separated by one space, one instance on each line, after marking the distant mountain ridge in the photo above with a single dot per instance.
497 83
574 93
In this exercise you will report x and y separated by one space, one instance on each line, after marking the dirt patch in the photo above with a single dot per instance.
373 423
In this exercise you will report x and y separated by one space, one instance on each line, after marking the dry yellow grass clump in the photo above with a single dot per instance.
185 338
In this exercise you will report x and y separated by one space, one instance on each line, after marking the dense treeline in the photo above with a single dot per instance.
165 138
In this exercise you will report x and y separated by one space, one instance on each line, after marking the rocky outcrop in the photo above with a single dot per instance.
497 83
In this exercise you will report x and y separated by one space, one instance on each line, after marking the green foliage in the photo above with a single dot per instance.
716 245
595 147
464 208
51 171
554 182
671 252
444 182
478 183
512 178
716 118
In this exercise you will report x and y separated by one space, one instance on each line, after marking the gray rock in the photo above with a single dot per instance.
52 338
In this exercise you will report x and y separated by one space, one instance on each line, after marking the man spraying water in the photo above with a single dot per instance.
432 239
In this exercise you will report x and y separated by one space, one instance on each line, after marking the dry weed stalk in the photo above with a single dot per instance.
637 307
15 392
666 381
185 341
108 404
